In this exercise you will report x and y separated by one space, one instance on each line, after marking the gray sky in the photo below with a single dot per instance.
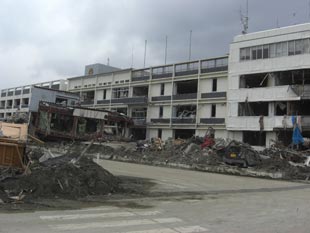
43 40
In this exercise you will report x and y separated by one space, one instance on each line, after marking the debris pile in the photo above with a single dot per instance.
58 177
290 163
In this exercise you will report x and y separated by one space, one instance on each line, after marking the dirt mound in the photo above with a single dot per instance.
59 177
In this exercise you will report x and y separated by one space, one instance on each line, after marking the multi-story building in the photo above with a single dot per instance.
19 98
269 82
175 100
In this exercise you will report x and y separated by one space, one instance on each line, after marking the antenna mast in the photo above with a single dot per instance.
245 18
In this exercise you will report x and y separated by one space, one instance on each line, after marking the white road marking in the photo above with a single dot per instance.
98 215
171 184
167 220
190 229
96 209
122 223
186 229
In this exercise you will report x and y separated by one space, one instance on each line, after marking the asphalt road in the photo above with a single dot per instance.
184 202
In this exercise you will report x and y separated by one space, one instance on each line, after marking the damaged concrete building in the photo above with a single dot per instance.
269 82
176 100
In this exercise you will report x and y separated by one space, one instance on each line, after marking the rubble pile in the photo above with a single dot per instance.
59 177
292 164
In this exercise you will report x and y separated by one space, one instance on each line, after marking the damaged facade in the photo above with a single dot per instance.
178 100
56 121
269 85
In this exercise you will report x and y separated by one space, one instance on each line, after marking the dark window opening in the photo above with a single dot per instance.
186 87
162 89
61 122
88 126
254 80
253 109
61 101
214 84
140 91
281 108
105 94
138 133
254 138
159 133
213 110
120 110
161 111
184 133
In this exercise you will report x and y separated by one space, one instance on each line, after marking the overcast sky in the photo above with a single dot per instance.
43 40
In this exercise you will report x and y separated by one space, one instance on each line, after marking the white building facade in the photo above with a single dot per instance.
19 98
177 100
269 82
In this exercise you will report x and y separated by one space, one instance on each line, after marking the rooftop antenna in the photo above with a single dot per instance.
166 50
132 57
108 61
309 10
293 18
144 53
245 18
190 45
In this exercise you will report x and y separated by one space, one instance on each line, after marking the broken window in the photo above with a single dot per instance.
121 92
60 122
88 126
184 133
253 109
186 87
161 111
88 96
185 111
61 101
281 108
140 91
159 133
254 138
254 80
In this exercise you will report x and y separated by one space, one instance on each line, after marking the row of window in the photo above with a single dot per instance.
102 84
280 49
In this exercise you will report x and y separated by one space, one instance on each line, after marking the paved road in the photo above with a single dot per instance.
188 202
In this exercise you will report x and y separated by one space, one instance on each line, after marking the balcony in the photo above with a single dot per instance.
161 98
275 93
140 75
240 123
3 94
183 120
164 75
212 121
190 68
160 120
213 95
26 91
18 92
185 96
214 69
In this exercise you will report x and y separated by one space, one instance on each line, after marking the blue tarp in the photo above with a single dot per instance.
297 137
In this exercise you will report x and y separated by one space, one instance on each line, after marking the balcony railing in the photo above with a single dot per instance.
131 100
24 105
211 95
139 121
183 120
161 98
8 107
26 91
10 93
87 102
214 69
3 94
160 120
164 75
212 121
185 96
302 90
103 101
140 75
18 92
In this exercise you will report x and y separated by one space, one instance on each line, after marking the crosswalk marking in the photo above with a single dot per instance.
121 223
98 215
